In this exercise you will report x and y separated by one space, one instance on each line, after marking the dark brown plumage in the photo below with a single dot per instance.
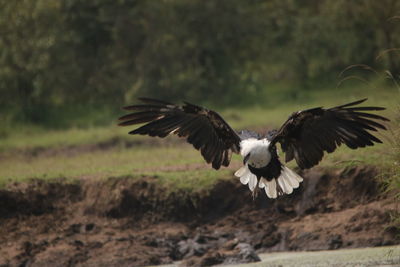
308 133
305 136
202 128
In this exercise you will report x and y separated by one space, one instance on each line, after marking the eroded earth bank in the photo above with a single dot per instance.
135 221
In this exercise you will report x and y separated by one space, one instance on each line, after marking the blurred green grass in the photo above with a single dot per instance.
272 114
173 162
102 164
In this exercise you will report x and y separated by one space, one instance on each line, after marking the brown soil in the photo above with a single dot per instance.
136 222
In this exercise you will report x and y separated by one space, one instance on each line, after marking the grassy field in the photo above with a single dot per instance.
31 152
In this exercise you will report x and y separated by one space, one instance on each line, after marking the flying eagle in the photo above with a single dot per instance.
305 136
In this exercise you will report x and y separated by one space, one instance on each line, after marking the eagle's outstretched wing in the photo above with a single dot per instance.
203 128
308 133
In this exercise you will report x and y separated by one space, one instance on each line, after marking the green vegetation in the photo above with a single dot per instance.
68 66
391 175
178 165
258 115
103 152
73 63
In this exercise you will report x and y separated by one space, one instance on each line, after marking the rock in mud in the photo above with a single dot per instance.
335 242
244 253
189 248
241 253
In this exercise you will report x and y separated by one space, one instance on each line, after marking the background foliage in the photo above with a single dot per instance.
72 62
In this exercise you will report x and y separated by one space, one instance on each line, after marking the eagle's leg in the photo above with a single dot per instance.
255 191
279 190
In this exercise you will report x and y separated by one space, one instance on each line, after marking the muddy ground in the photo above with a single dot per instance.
136 222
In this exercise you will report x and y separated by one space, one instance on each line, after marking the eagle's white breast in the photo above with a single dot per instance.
259 152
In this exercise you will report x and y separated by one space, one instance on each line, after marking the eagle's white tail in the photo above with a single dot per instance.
287 181
246 177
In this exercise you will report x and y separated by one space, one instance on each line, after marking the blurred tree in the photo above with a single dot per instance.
28 34
62 59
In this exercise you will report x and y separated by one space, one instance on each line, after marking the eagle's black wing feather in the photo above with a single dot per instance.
205 129
307 134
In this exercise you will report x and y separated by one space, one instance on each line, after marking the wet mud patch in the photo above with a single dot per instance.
136 221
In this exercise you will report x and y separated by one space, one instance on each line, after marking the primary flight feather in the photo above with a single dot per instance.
305 136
